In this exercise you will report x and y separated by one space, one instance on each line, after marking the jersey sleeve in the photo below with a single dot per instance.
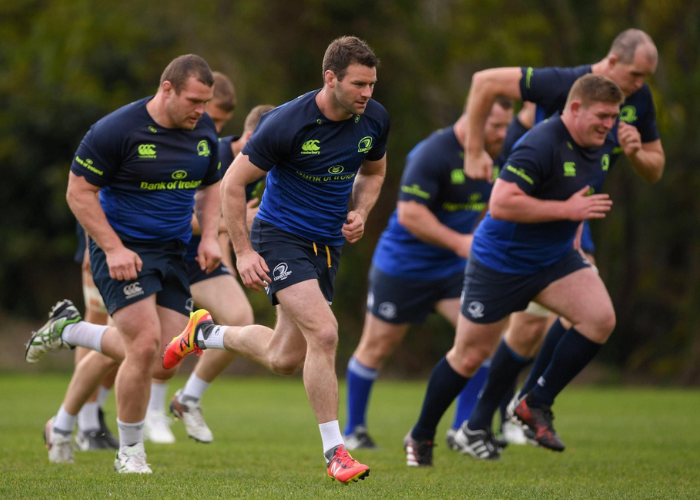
379 148
548 87
99 155
647 126
213 174
419 182
270 143
527 165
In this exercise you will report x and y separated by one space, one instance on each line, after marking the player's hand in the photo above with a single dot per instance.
208 254
251 209
478 166
253 270
582 207
465 246
630 138
123 264
354 227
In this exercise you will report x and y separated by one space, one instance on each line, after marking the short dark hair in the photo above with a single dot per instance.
591 88
347 50
625 45
183 67
251 121
224 93
503 102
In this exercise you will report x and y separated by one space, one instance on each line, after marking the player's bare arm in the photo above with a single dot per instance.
251 267
123 263
207 203
648 159
424 225
486 85
509 202
365 192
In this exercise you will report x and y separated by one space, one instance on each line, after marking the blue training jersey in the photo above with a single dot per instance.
312 163
548 165
148 174
433 177
225 159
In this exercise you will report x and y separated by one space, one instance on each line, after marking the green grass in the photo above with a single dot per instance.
622 443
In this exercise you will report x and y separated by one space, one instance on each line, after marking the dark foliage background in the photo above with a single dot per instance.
64 64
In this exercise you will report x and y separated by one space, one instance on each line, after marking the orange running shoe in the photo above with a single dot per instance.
185 343
343 467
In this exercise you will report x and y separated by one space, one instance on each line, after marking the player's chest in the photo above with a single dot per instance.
156 159
573 170
332 150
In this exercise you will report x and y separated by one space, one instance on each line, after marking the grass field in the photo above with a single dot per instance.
622 443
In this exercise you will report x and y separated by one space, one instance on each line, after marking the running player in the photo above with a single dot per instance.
418 265
151 162
319 149
523 251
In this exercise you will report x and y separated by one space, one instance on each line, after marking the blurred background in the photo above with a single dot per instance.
65 64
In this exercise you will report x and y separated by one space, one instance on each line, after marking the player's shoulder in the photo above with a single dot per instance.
206 125
546 134
641 96
122 121
376 111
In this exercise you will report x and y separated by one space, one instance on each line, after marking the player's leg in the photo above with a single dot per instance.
378 341
580 297
224 298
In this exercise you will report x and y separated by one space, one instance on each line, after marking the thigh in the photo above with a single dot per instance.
138 322
306 306
579 296
449 309
377 332
224 298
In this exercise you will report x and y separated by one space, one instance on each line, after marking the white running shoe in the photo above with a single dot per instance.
48 337
59 446
513 433
156 428
132 460
191 415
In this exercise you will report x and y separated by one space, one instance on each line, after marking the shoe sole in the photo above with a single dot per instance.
359 477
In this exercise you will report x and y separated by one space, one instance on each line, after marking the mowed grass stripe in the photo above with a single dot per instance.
621 443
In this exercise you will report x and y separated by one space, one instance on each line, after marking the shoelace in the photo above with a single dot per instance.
138 460
344 457
195 412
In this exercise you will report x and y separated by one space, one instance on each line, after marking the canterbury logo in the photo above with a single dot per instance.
311 147
133 290
147 151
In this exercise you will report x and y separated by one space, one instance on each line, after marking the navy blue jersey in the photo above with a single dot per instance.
312 163
549 88
225 159
433 177
548 165
147 173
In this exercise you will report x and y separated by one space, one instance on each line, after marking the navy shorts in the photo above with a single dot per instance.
490 296
195 274
293 259
400 301
164 273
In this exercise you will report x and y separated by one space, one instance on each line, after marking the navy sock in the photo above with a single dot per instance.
359 380
504 402
470 395
572 354
554 335
444 386
505 367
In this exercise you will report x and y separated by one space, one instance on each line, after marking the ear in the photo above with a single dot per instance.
247 135
167 87
613 59
575 107
329 78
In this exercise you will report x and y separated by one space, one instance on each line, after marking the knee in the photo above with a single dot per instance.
325 339
467 362
145 350
286 364
606 323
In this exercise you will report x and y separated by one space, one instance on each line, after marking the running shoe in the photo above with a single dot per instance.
343 467
48 337
359 439
418 453
186 342
58 444
132 460
539 420
191 415
479 443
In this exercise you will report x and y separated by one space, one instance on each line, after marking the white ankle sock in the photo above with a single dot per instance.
84 334
330 434
157 401
64 421
194 389
215 340
129 434
88 419
102 395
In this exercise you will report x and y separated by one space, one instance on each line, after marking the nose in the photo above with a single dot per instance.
199 109
367 91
